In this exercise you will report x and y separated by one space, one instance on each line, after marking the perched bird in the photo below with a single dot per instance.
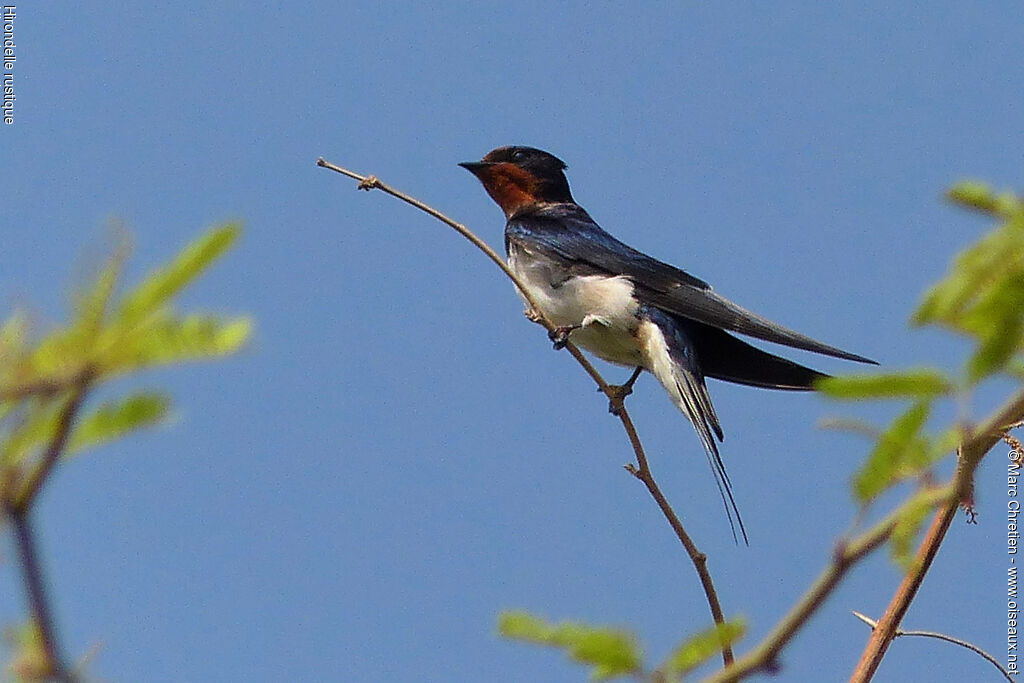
629 308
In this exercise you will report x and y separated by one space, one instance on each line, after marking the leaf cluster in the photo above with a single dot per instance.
982 298
44 381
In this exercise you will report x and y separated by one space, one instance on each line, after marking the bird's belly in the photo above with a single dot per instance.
613 344
603 305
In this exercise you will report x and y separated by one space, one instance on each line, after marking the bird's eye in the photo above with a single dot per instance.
518 155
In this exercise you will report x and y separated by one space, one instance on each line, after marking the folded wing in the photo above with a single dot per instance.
567 230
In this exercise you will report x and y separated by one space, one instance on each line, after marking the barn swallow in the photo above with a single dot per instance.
631 309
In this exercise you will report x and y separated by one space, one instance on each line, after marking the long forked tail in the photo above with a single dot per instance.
723 356
672 359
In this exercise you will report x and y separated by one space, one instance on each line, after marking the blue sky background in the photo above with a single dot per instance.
399 455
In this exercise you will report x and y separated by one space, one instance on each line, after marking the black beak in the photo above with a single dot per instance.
475 167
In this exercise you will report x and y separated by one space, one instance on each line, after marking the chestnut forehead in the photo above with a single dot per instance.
500 154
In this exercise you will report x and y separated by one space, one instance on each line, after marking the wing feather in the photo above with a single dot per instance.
568 231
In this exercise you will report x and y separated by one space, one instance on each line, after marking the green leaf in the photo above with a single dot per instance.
37 427
91 303
701 647
61 354
974 271
979 196
167 339
65 351
13 334
946 442
115 419
995 352
1016 368
899 453
908 526
983 295
972 194
921 383
165 282
611 652
997 319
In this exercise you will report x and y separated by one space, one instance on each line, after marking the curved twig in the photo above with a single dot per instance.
942 636
642 470
962 643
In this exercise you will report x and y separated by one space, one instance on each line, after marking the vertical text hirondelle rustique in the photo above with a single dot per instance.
8 64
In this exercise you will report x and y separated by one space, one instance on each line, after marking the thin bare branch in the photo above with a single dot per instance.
55 448
764 657
47 386
32 575
642 470
962 643
942 636
17 506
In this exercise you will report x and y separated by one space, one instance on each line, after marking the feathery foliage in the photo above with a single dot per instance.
45 380
982 298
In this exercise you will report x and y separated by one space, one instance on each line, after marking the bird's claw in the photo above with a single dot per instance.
368 183
560 336
617 394
533 316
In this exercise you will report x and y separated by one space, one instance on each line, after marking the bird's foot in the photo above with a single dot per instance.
370 182
533 316
617 393
560 335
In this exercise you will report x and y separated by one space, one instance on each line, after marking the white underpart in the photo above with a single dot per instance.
612 330
603 305
682 386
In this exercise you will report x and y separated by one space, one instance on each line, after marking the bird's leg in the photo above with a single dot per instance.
560 335
617 393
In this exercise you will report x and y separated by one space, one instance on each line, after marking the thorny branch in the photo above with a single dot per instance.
641 470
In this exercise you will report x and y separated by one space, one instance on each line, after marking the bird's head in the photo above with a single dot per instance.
516 177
